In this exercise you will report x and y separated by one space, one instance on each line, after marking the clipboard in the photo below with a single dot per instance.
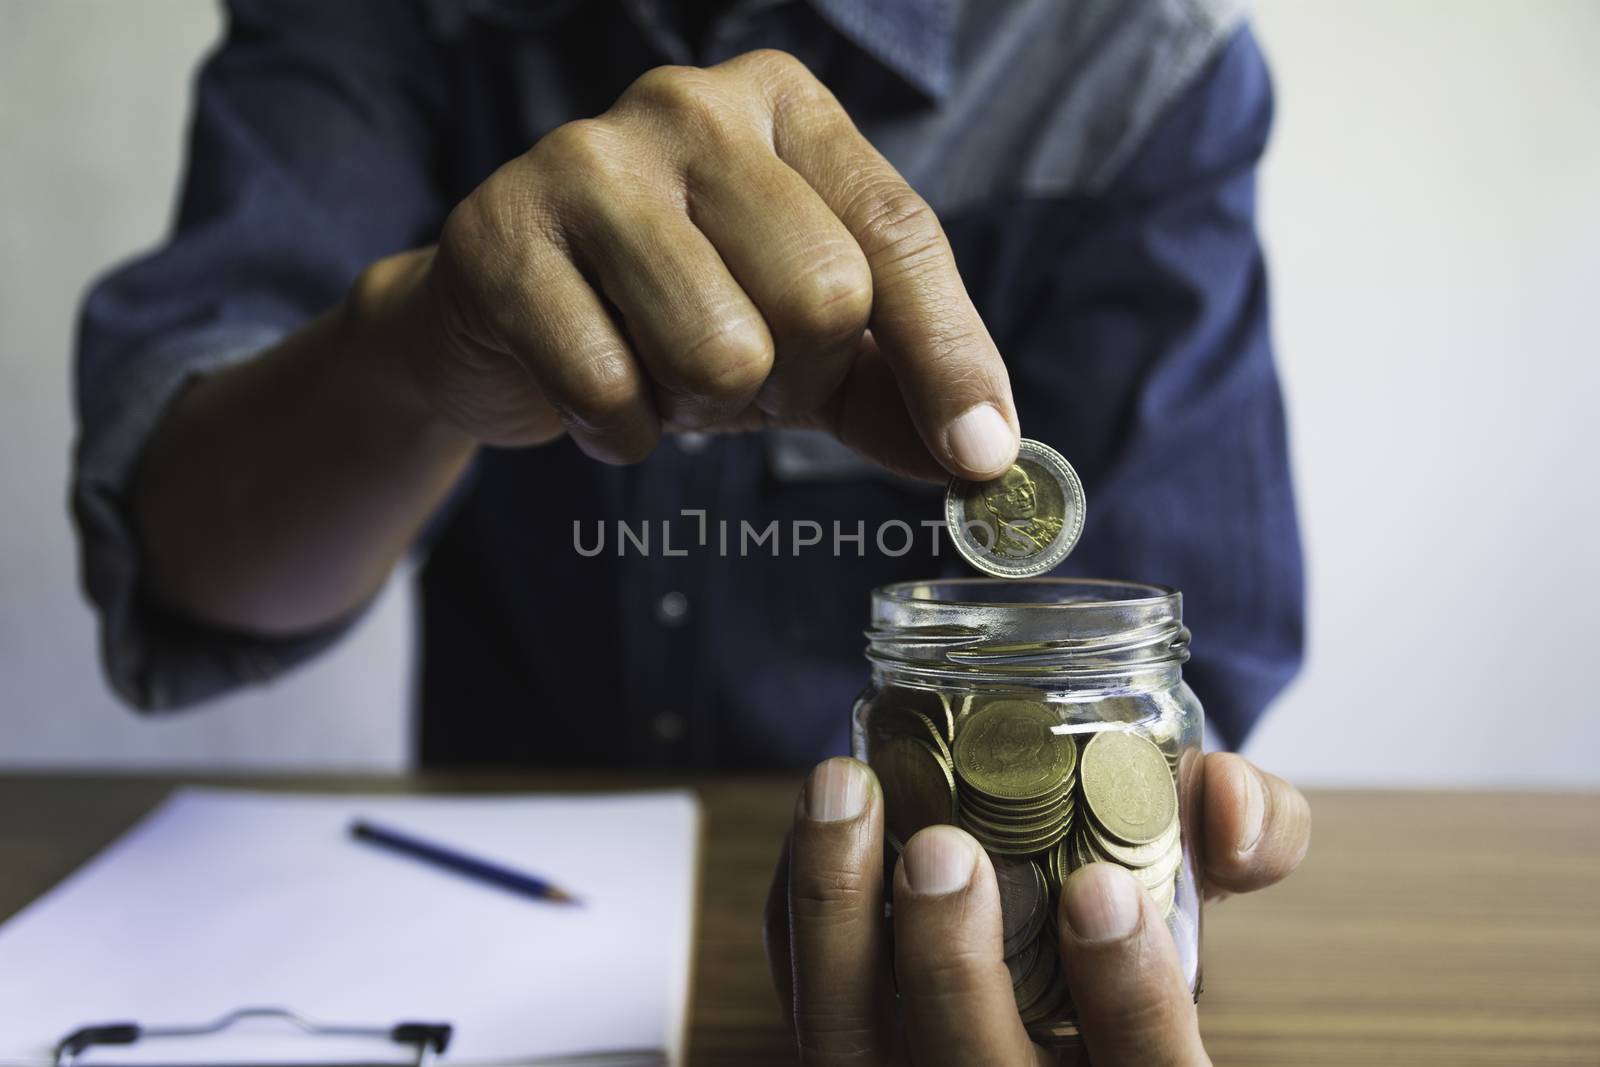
253 919
425 1041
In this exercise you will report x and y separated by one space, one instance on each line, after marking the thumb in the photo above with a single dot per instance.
1133 1004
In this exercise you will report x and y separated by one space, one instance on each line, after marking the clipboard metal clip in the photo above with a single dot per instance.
426 1040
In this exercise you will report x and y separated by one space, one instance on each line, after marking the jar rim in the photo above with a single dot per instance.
1141 594
1091 629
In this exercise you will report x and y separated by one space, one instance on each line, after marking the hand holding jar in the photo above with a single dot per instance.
831 955
1029 773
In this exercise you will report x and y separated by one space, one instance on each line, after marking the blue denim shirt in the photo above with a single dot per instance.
1093 162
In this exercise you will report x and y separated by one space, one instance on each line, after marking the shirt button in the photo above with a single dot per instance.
668 726
672 609
693 443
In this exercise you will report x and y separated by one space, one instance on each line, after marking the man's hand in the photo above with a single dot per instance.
708 254
955 1008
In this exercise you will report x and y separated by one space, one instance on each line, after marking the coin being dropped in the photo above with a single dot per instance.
1022 523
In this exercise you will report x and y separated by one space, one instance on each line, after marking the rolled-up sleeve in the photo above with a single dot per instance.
312 153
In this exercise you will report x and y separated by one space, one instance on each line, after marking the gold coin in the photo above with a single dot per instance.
1022 901
1008 846
1077 854
1005 818
1128 787
1136 855
1050 1001
1158 874
1022 523
1018 831
1060 863
931 703
892 720
1036 982
1019 963
1165 896
1060 822
1002 811
1008 752
918 788
1151 876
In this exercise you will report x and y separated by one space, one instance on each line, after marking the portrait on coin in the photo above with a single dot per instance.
1009 506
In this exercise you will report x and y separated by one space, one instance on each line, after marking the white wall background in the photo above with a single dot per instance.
1432 206
1430 203
93 102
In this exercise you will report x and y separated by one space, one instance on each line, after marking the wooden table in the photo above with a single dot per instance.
1426 928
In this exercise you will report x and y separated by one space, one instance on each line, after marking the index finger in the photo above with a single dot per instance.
950 373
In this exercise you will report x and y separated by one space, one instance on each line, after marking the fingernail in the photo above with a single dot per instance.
939 860
1102 902
836 790
1255 810
982 441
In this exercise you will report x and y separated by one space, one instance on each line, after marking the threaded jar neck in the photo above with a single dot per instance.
1070 633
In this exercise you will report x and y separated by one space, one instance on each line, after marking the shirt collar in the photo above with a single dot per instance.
913 38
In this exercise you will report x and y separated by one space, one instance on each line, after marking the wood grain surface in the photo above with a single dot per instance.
1425 928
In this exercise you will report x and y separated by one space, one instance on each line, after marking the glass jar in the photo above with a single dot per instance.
1049 719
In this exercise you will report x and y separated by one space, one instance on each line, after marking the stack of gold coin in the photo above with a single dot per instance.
1037 982
935 706
1040 990
1024 907
1015 777
1131 815
909 749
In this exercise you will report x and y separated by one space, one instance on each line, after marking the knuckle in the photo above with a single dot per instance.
673 89
952 971
830 302
728 359
897 225
488 224
695 103
470 226
586 147
487 247
778 64
787 85
821 898
601 390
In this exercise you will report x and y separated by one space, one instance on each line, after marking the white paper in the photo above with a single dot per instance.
223 899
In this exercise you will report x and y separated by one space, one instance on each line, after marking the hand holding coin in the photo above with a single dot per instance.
955 1007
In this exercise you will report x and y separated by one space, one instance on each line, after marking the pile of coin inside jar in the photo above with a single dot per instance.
1043 797
1042 801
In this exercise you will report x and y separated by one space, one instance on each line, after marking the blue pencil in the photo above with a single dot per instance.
482 870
